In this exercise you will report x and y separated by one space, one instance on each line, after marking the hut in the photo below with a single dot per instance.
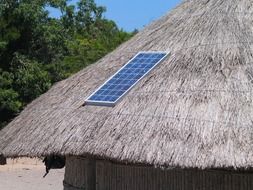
186 125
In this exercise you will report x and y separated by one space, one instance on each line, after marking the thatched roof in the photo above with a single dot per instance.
194 110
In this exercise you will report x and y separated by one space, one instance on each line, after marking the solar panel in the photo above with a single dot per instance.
125 79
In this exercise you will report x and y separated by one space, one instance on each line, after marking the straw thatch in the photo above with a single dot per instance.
194 110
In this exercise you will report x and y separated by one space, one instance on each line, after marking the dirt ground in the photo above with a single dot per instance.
27 174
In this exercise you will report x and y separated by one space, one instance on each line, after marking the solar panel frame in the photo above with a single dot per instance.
113 103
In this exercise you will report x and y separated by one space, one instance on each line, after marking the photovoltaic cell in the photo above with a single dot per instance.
122 81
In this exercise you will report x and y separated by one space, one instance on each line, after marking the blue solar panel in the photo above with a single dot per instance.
122 81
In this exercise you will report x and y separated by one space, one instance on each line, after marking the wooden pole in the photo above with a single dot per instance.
91 174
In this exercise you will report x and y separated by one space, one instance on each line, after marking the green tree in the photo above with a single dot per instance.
30 79
37 50
9 98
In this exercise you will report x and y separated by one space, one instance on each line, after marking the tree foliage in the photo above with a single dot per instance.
37 50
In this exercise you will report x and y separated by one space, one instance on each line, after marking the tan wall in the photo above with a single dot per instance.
119 177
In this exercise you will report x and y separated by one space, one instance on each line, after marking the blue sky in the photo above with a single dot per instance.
133 14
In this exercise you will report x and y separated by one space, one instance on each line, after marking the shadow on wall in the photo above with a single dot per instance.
2 160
